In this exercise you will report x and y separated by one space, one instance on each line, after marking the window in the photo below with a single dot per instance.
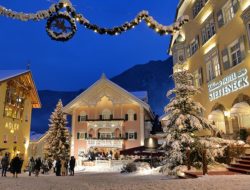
83 116
194 45
212 64
81 135
106 135
14 101
106 114
5 138
235 54
228 12
179 53
208 30
198 78
132 135
198 5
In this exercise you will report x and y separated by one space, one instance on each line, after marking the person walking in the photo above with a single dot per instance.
38 164
16 165
72 164
58 167
31 165
5 164
63 169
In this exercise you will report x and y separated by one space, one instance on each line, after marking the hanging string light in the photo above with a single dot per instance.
61 25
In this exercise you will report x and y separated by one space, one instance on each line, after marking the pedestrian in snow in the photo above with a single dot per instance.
31 165
58 167
38 164
54 165
5 164
72 164
63 168
16 165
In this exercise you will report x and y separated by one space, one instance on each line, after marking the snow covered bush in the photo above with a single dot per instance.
57 145
129 168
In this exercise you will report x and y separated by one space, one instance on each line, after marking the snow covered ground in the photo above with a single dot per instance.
117 181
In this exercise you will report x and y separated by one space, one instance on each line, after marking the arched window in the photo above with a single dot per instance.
106 114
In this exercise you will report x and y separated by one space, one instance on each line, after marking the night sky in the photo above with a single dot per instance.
79 62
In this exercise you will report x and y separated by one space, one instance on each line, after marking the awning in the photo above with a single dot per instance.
141 151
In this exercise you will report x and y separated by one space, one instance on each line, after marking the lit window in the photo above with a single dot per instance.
212 65
235 54
228 12
194 45
83 116
198 78
131 136
208 30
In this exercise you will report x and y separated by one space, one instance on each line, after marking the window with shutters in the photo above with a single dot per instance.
83 116
228 11
194 45
212 64
198 78
208 30
235 54
132 135
81 135
179 53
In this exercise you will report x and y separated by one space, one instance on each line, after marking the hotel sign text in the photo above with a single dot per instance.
231 83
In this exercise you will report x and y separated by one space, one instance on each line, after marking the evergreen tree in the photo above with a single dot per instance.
184 117
58 135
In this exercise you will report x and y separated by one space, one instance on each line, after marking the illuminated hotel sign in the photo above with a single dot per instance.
229 84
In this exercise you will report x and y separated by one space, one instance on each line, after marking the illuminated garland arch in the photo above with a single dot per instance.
70 16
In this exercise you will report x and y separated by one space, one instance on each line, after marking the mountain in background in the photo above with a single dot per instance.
153 77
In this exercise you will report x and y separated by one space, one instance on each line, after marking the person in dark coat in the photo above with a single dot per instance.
58 167
38 164
72 164
16 165
5 164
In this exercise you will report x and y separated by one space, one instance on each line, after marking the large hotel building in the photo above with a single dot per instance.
215 47
106 117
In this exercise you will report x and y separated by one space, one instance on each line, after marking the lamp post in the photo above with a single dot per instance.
151 144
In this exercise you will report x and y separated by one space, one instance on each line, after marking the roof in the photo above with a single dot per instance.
104 80
6 75
176 15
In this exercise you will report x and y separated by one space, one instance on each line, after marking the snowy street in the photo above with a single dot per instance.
117 181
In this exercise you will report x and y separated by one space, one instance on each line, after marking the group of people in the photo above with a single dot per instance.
60 167
64 167
14 166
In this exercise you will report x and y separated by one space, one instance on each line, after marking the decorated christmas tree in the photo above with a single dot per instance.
184 119
58 135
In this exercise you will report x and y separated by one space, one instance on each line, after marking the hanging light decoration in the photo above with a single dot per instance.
62 17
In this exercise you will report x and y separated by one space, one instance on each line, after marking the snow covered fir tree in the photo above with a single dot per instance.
58 135
184 127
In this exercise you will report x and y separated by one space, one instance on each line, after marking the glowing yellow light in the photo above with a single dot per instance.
148 24
157 29
12 131
95 31
18 152
227 113
245 5
206 15
65 5
77 19
209 48
116 33
133 26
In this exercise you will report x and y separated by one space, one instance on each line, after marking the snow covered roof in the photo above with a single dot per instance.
10 74
7 74
142 95
105 81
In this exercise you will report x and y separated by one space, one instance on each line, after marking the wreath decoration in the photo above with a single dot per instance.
61 26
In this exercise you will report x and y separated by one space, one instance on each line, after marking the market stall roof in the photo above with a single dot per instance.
141 151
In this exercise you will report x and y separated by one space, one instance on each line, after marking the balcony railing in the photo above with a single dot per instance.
110 143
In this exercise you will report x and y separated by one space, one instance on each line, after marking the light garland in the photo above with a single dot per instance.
71 16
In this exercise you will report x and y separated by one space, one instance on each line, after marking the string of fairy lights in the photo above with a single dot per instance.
62 18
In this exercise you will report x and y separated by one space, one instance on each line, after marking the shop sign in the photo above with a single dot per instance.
231 83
